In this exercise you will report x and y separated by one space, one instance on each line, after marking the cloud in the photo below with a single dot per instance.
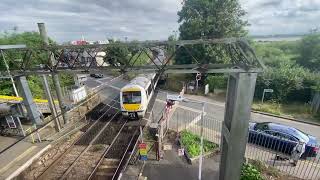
95 20
282 16
145 19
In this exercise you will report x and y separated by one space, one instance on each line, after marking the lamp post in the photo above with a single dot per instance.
182 99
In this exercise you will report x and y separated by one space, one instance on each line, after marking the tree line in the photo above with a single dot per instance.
292 67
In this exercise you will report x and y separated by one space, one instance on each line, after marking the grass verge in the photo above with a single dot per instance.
293 110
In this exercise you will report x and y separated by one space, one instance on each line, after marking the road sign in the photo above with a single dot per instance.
180 152
268 90
142 146
198 77
143 151
143 158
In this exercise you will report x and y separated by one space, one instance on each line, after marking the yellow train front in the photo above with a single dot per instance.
135 96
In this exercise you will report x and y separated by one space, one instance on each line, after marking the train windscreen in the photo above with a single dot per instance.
131 97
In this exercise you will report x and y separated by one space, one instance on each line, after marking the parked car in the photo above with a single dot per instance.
97 75
281 138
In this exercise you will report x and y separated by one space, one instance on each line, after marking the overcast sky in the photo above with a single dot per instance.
145 19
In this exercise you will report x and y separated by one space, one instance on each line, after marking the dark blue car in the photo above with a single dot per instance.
281 138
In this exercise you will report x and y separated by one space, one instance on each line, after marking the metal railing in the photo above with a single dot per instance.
272 150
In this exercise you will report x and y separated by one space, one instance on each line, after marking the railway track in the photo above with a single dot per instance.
86 163
101 152
102 115
117 155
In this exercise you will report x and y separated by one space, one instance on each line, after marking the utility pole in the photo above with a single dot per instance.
55 76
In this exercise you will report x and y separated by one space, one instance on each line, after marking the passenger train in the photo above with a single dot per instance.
135 96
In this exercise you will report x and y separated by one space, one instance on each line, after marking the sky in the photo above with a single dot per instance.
68 20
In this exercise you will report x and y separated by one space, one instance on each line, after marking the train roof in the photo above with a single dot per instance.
142 80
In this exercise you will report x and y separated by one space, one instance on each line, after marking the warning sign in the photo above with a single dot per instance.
143 151
180 152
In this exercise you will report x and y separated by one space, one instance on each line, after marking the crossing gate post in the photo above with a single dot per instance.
235 125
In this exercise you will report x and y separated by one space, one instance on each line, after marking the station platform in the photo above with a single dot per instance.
15 160
22 154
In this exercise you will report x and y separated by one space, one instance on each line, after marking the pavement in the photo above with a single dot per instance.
173 166
15 160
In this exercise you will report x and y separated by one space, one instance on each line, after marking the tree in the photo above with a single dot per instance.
30 39
209 19
309 52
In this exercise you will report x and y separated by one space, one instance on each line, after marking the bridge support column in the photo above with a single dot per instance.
51 103
55 76
240 93
32 109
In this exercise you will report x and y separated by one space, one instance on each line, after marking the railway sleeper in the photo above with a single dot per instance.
107 169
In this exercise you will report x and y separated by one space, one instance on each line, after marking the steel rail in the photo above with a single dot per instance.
46 171
91 176
125 153
65 174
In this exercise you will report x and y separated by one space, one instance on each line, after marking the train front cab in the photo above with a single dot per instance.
132 105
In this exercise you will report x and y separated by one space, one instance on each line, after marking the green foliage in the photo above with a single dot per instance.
309 52
209 19
216 82
143 59
250 172
6 87
192 143
171 48
212 19
31 39
275 53
290 81
66 80
121 55
36 86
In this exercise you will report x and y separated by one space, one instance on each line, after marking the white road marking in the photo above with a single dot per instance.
114 87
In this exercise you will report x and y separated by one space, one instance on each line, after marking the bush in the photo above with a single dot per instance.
216 82
290 83
250 172
192 143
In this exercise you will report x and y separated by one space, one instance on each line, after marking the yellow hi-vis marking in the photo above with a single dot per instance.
15 98
131 89
131 107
